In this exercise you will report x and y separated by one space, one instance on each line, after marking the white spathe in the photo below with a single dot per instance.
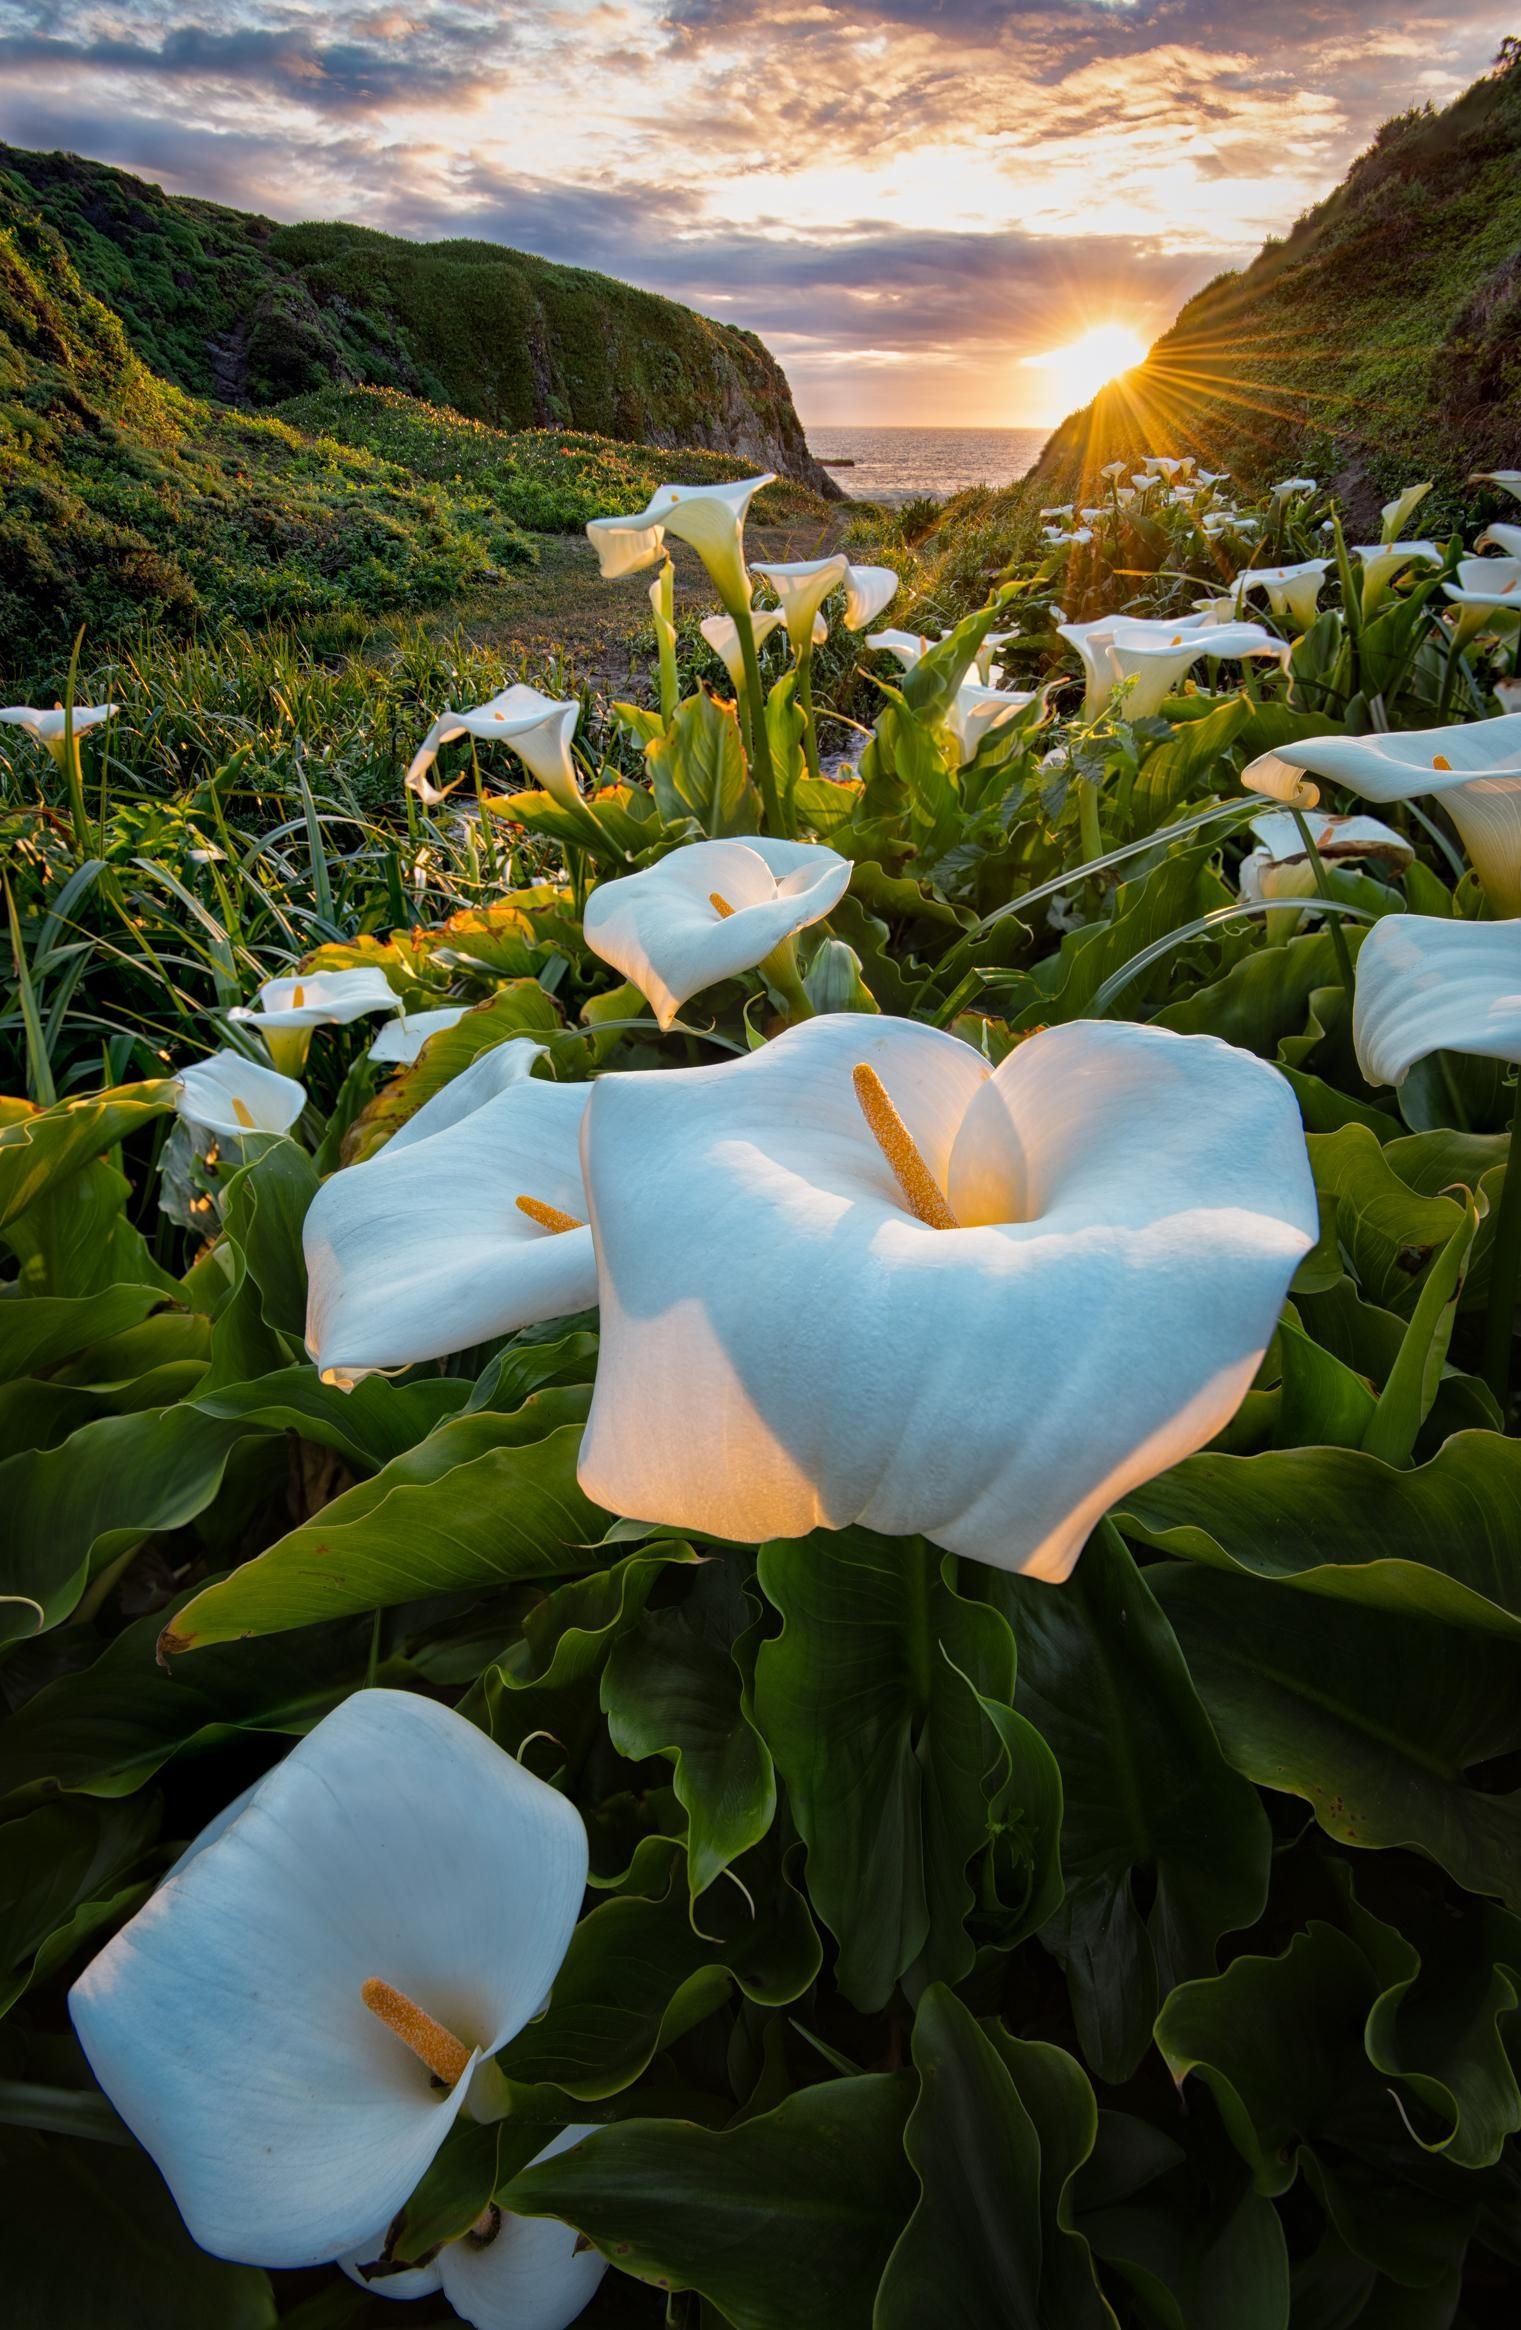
722 634
1280 866
801 589
1269 773
711 518
1154 657
1487 594
1503 537
868 591
661 929
530 2273
786 1347
227 2023
1382 561
1402 507
1287 487
1508 479
51 728
319 999
537 727
1476 768
1293 591
975 711
423 1249
1426 984
229 1095
907 646
410 1030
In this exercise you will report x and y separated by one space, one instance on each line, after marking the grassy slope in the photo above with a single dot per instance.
229 305
1379 343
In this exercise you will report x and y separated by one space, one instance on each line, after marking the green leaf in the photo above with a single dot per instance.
485 1500
109 1728
698 769
260 1326
639 1974
1201 2248
1415 1378
72 1510
63 1874
1150 1801
873 1702
1375 1719
367 1427
1264 997
37 1331
1439 2026
673 1687
1443 1541
95 2238
520 1008
546 1682
1386 1228
41 1147
784 2220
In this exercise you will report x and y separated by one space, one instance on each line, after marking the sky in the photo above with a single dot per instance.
912 201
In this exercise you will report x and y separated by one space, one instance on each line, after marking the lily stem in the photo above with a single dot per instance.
780 972
1323 885
1504 1269
760 743
805 699
1090 832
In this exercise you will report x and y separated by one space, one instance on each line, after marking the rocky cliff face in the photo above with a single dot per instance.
234 308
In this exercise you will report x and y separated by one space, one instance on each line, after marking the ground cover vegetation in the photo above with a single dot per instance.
838 1343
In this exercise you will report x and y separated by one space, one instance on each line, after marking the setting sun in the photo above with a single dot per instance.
1083 366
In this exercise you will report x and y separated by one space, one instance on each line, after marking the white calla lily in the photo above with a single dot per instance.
1501 537
708 911
1487 595
1475 768
1293 591
1509 480
229 1096
290 2025
51 728
834 1318
468 1224
1281 869
1153 667
868 591
1428 984
1214 612
710 518
538 728
319 999
722 634
907 646
1272 775
1403 506
1288 487
801 589
1382 561
407 1033
510 2273
975 711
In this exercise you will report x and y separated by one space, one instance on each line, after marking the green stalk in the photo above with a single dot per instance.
805 698
73 774
779 970
755 707
44 1091
1504 1268
1322 884
665 642
1090 832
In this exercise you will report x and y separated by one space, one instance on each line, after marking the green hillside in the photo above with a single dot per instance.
233 307
125 492
1378 343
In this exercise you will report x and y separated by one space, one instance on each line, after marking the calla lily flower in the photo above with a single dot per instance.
1487 595
801 589
1060 510
319 999
292 2023
1214 612
1426 984
1164 465
709 911
1113 469
410 1030
468 1224
868 590
1402 507
722 634
709 517
907 646
1293 591
976 711
1280 868
1288 487
1509 479
50 728
869 1246
537 727
1475 768
229 1096
509 2273
1382 561
1506 538
1155 655
1272 775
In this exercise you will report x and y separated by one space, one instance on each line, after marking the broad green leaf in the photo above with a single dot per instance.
37 1331
367 1427
64 1872
1264 997
639 1974
545 1684
484 1501
1145 908
106 1730
1452 1981
1443 1541
674 1687
1163 1847
95 2239
1181 769
1377 1719
1407 1398
783 2221
1201 2248
260 1326
698 769
72 1510
1387 1229
41 1147
872 1701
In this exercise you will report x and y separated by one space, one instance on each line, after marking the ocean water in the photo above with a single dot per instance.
896 465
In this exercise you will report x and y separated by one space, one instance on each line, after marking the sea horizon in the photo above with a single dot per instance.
897 462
